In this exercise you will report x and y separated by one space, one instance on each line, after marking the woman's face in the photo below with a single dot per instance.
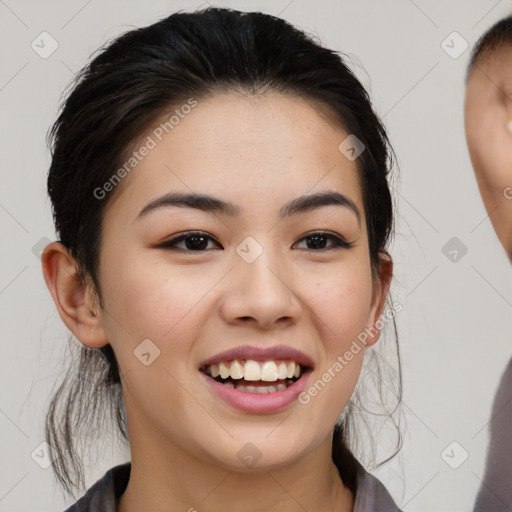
488 123
255 280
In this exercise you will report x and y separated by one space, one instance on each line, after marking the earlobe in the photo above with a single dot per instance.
73 299
382 284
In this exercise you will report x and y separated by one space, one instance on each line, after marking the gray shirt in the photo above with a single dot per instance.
495 493
103 496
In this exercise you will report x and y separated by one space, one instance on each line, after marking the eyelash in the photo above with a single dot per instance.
338 242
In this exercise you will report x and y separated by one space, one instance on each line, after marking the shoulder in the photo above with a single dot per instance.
495 492
372 496
103 495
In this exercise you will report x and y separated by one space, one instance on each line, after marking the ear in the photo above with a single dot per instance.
380 292
74 299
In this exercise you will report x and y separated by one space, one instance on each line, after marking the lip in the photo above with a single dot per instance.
257 353
258 402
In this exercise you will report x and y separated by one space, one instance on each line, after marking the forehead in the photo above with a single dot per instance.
273 145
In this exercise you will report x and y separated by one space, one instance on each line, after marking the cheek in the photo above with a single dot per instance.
341 302
153 300
490 146
341 309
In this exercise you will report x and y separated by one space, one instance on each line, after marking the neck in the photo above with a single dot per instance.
161 477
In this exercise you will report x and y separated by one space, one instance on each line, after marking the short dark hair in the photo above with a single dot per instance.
127 87
499 35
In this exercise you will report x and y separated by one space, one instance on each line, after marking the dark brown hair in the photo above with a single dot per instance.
128 86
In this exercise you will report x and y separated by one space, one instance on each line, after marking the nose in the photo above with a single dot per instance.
261 293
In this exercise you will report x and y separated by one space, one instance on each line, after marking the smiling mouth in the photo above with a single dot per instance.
256 376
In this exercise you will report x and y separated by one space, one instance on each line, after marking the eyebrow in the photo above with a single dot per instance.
212 204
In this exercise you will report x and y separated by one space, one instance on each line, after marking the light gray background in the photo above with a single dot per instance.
455 329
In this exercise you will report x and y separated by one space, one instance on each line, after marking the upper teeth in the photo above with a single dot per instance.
268 371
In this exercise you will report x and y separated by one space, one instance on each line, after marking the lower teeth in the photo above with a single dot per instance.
259 389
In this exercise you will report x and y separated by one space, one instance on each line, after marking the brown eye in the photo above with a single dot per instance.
317 241
194 241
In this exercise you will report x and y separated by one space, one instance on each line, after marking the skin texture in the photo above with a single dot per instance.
487 110
258 153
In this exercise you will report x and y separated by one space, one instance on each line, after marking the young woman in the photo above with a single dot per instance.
219 187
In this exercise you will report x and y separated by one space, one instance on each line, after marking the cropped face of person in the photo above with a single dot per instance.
279 275
488 125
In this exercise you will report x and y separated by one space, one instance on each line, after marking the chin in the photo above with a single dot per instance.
253 455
